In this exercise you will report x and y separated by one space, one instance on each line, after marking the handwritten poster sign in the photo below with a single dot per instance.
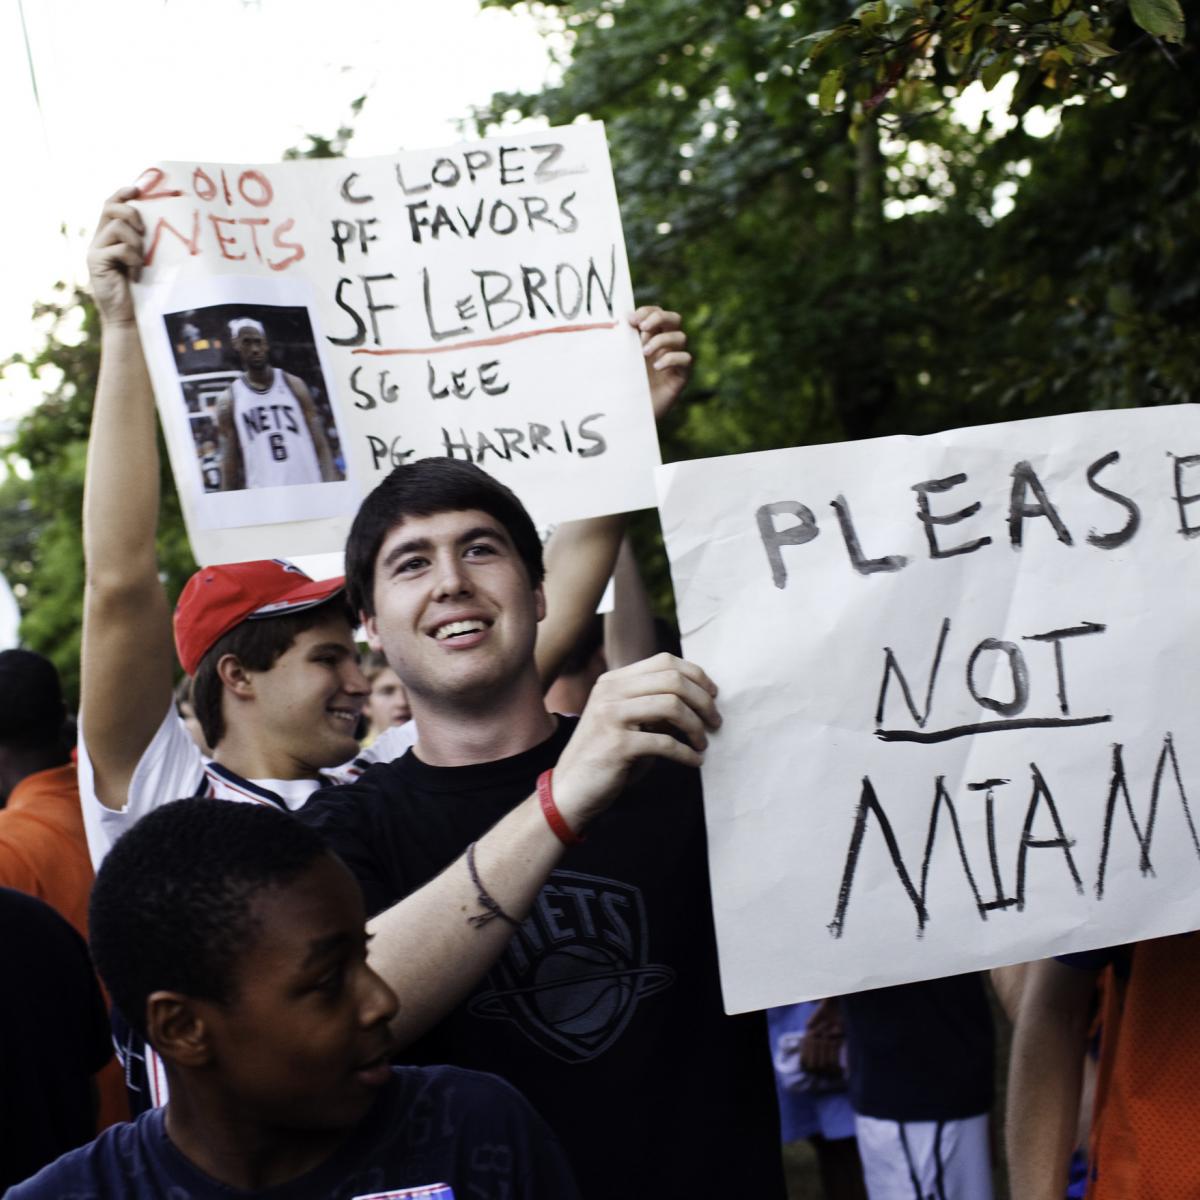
960 677
310 325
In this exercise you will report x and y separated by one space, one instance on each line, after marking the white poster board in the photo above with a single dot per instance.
467 301
960 682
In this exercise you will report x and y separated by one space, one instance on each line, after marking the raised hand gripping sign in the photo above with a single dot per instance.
310 325
960 677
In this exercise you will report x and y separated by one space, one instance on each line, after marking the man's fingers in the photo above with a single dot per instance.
651 319
678 359
674 339
128 256
116 210
663 745
667 688
658 663
118 247
658 710
117 231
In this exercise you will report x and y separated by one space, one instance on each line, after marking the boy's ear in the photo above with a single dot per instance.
371 629
234 675
176 1027
539 600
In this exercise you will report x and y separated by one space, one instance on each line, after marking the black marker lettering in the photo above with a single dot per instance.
1056 636
348 195
863 565
1183 501
1024 479
1041 795
1110 541
360 326
892 667
584 432
551 152
773 539
1017 669
438 335
930 521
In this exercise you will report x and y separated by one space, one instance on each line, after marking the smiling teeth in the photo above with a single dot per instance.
455 627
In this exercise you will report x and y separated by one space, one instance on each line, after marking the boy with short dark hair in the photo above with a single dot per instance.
235 941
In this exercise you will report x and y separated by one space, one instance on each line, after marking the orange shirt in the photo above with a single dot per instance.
43 849
1147 1102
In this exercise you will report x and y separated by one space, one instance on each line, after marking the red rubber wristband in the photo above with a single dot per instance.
554 818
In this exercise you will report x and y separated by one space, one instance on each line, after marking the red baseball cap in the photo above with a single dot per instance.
217 598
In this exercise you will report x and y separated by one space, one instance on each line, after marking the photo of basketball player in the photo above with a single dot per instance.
258 408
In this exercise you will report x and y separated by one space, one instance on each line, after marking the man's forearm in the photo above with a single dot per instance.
629 633
121 494
127 654
580 557
429 948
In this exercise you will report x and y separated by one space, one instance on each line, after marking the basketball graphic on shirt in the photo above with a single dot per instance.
575 974
580 989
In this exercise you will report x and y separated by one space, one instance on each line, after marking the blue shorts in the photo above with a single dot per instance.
805 1110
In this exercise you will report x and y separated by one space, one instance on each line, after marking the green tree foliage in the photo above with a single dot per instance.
41 549
797 186
793 179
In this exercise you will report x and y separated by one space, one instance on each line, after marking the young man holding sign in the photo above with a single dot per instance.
281 700
605 1009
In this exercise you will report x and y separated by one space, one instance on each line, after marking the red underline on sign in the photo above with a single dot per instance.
492 341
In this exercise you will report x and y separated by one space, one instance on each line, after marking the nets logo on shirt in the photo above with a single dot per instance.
574 974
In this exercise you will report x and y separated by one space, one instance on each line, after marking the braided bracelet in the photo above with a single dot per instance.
484 900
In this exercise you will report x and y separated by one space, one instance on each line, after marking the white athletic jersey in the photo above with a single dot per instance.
172 768
277 448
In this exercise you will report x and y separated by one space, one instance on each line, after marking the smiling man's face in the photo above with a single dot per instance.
455 612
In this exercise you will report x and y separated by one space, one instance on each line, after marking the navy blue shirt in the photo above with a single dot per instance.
1096 960
921 1051
436 1132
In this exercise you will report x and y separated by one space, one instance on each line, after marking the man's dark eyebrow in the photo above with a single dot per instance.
481 531
425 545
332 647
412 546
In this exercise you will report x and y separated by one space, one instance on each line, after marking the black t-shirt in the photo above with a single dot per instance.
53 1037
921 1051
439 1134
605 1010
